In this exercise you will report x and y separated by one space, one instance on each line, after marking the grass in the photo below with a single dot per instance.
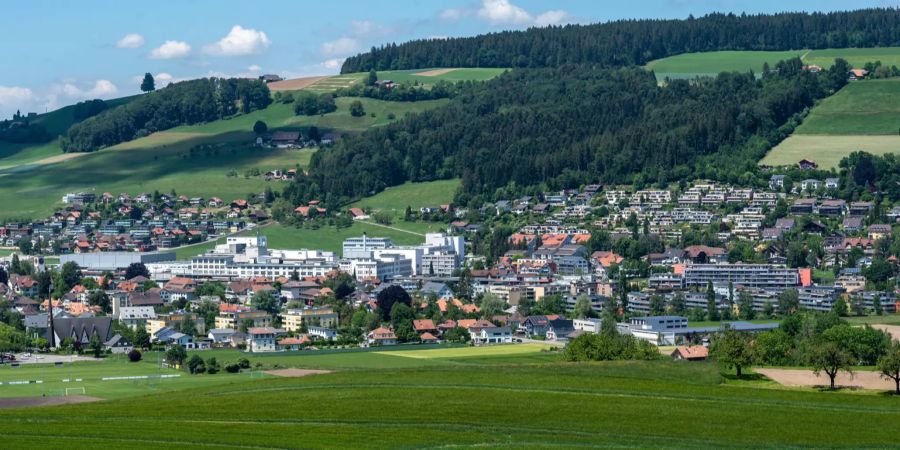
710 323
616 404
460 74
415 195
162 161
332 238
691 65
92 372
886 319
827 150
870 107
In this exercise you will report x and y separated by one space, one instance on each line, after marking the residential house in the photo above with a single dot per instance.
263 339
559 330
381 336
490 335
690 353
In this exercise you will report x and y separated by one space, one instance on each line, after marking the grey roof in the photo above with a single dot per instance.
738 326
81 328
37 321
433 287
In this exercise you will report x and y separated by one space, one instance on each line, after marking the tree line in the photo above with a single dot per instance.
628 42
184 103
573 125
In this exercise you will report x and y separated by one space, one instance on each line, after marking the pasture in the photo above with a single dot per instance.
164 161
414 195
612 404
691 65
427 77
870 107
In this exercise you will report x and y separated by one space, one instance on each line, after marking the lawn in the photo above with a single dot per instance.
870 107
618 404
331 238
827 150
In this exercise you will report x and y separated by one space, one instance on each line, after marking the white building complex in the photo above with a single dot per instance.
367 257
249 256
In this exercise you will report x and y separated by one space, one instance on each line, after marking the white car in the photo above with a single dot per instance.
26 355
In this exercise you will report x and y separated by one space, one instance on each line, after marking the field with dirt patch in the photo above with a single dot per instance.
31 402
294 83
806 378
435 72
294 373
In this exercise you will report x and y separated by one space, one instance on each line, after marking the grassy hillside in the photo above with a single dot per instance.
163 161
430 76
864 115
870 107
625 404
415 195
57 123
690 65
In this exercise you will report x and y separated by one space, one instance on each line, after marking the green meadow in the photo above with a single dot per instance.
415 76
414 195
691 65
658 404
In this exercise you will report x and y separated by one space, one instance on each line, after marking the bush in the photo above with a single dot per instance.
134 356
196 365
244 363
233 368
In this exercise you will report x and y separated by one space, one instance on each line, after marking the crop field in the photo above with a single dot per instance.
691 65
614 404
331 84
827 150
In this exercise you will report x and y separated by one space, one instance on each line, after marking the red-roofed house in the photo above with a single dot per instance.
690 353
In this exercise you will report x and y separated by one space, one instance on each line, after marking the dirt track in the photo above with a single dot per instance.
434 73
806 378
29 402
293 84
293 373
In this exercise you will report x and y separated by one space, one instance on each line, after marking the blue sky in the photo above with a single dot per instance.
56 53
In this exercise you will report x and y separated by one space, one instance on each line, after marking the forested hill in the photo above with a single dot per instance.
629 42
183 103
571 125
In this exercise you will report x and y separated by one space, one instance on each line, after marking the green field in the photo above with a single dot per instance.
332 238
334 83
827 150
691 65
459 74
615 404
415 195
870 107
162 161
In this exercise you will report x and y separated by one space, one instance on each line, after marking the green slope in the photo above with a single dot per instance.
870 107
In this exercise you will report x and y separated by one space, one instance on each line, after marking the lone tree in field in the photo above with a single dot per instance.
372 78
356 109
260 127
148 84
889 366
733 349
830 358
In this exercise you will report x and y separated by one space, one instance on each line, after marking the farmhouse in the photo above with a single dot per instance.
284 139
690 353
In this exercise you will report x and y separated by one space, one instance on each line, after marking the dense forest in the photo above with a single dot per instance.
630 42
554 128
184 103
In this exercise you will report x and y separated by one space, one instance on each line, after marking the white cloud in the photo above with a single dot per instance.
100 89
131 40
505 12
170 50
14 97
254 68
499 12
340 47
453 14
333 64
239 41
367 28
552 17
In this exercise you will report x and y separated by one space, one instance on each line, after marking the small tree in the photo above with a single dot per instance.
260 127
830 358
889 366
176 355
372 78
134 355
148 84
733 349
212 366
141 338
840 307
356 109
196 364
135 269
96 345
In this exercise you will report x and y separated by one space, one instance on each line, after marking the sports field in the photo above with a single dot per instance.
691 65
616 404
